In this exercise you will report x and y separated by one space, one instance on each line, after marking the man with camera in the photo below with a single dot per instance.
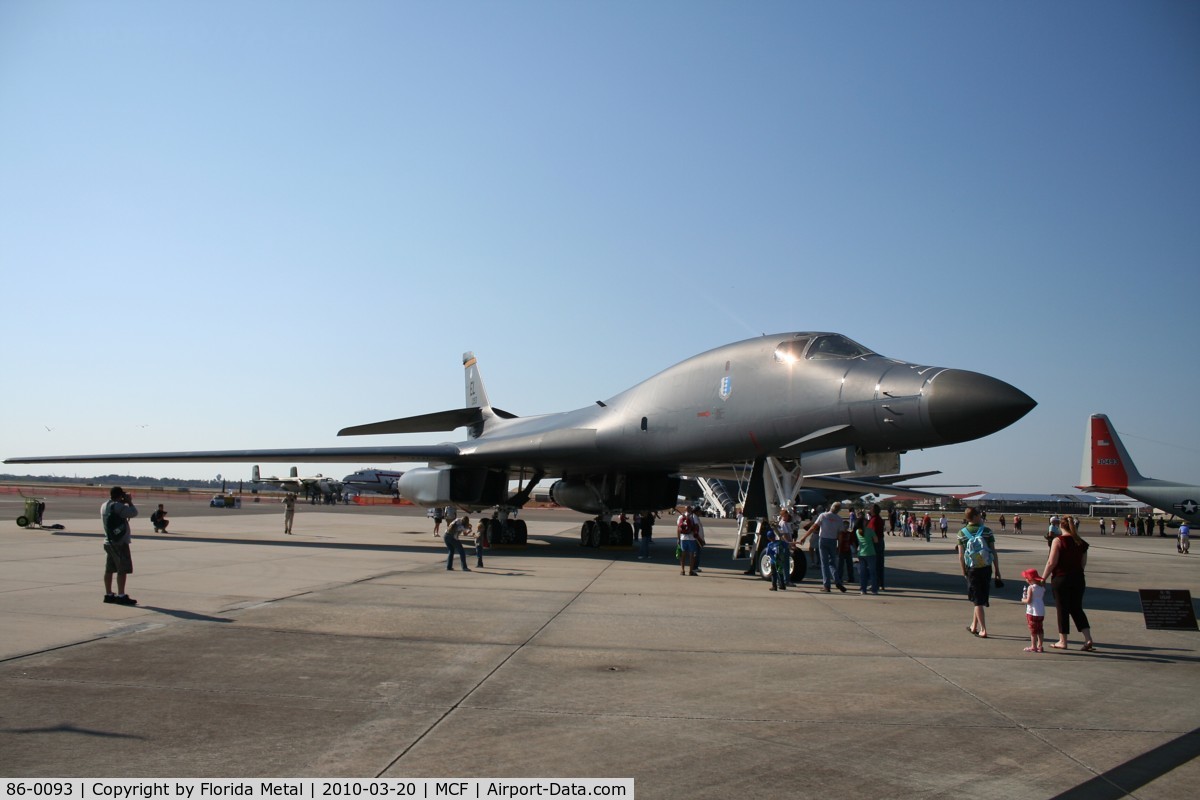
115 516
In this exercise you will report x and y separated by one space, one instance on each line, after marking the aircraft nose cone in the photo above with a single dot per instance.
968 405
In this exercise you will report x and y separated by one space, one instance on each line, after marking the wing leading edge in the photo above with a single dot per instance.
439 452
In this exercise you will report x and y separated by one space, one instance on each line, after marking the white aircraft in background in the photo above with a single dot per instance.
1108 468
380 481
298 484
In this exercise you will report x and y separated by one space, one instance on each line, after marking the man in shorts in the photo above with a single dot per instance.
115 516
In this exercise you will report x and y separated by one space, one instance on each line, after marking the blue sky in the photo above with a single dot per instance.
240 225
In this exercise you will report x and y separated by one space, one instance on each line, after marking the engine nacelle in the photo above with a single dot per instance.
848 462
456 486
576 496
595 494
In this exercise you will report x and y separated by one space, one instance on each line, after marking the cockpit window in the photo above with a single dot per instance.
791 351
835 345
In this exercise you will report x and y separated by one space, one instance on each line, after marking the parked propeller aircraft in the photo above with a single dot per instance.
380 481
1108 468
295 483
818 403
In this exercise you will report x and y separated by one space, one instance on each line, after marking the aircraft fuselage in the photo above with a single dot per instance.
757 398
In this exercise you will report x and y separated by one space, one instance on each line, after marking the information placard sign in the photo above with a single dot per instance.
1168 609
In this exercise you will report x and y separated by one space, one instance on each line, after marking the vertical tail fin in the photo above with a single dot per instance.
1107 466
477 397
255 475
476 393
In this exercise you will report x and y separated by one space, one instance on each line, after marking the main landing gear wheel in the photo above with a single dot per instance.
765 566
625 534
799 567
512 531
586 533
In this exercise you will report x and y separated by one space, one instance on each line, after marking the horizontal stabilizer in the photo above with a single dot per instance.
907 476
862 487
422 423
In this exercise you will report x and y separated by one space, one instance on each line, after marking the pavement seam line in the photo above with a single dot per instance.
459 703
990 706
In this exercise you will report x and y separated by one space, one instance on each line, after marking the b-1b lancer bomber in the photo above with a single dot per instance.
813 404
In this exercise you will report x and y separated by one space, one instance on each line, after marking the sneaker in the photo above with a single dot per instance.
774 588
825 589
124 600
110 598
841 588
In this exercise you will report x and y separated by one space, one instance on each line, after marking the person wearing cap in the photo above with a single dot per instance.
115 516
1034 598
782 564
1053 530
289 511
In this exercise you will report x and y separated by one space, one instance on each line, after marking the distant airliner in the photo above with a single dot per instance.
1108 468
817 401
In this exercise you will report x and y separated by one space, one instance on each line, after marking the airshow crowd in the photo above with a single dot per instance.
841 549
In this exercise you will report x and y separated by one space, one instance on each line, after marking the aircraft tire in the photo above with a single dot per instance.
764 566
520 531
799 567
586 533
625 534
603 535
23 521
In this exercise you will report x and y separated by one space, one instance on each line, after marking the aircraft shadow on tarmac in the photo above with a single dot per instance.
68 728
181 614
1124 779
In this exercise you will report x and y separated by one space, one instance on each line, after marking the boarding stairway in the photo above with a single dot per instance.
717 496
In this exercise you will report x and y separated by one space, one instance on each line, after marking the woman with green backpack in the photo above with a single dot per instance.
978 559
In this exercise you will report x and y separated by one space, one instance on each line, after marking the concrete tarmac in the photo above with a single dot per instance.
349 650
